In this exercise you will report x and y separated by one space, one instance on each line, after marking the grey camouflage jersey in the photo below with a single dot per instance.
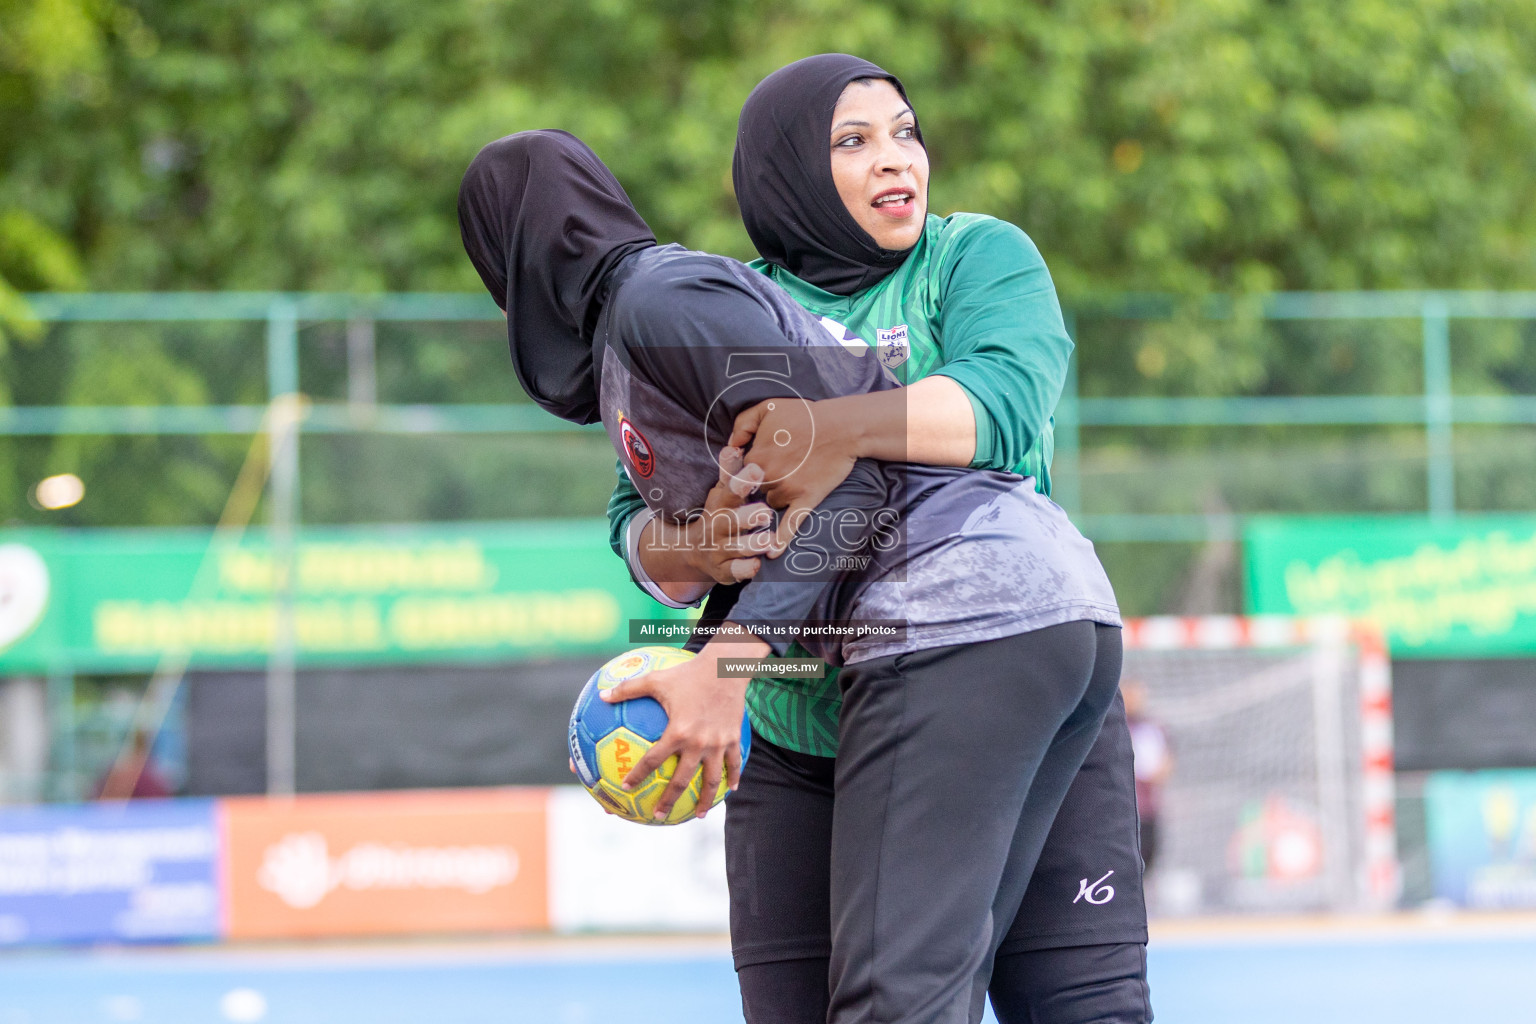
688 340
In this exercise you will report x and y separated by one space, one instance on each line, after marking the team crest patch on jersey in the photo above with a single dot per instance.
641 455
891 342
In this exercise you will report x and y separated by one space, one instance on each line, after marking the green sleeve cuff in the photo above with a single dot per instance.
988 444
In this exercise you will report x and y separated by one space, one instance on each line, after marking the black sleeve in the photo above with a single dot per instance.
717 347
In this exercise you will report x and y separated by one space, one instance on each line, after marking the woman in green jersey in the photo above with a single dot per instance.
831 176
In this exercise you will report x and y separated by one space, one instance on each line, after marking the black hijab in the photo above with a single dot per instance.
783 176
545 222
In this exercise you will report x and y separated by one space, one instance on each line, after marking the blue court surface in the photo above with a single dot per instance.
1408 974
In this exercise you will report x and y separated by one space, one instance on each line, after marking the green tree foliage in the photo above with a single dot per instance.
1196 147
1200 146
52 57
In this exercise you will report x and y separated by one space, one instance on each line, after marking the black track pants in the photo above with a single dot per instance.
1105 984
1102 984
952 764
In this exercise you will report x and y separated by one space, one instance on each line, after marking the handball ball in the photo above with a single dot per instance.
607 739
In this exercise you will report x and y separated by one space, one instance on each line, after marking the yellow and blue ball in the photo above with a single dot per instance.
607 739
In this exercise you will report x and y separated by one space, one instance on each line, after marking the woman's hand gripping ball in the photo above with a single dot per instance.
704 714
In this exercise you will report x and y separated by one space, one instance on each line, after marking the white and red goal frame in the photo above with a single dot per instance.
1380 881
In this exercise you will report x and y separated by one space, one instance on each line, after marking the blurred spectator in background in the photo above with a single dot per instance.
133 775
1154 763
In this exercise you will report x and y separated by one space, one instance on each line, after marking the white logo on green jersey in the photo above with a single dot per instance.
892 346
850 341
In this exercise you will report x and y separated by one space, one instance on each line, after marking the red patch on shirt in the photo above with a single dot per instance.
639 449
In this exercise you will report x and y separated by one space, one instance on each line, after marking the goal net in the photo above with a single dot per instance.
1278 793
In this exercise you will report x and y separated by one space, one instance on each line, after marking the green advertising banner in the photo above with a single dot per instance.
1463 588
120 600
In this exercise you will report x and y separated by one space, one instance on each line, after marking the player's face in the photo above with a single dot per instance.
879 167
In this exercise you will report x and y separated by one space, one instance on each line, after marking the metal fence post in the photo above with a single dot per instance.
283 453
65 783
362 377
1437 408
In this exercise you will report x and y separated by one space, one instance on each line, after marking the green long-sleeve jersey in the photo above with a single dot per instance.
973 302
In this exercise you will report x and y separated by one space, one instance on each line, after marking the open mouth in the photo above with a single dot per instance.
896 201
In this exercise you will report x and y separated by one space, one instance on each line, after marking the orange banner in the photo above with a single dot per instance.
376 863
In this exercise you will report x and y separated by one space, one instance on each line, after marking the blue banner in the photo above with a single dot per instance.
141 870
1482 837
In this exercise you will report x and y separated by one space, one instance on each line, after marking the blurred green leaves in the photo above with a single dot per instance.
1192 147
52 53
